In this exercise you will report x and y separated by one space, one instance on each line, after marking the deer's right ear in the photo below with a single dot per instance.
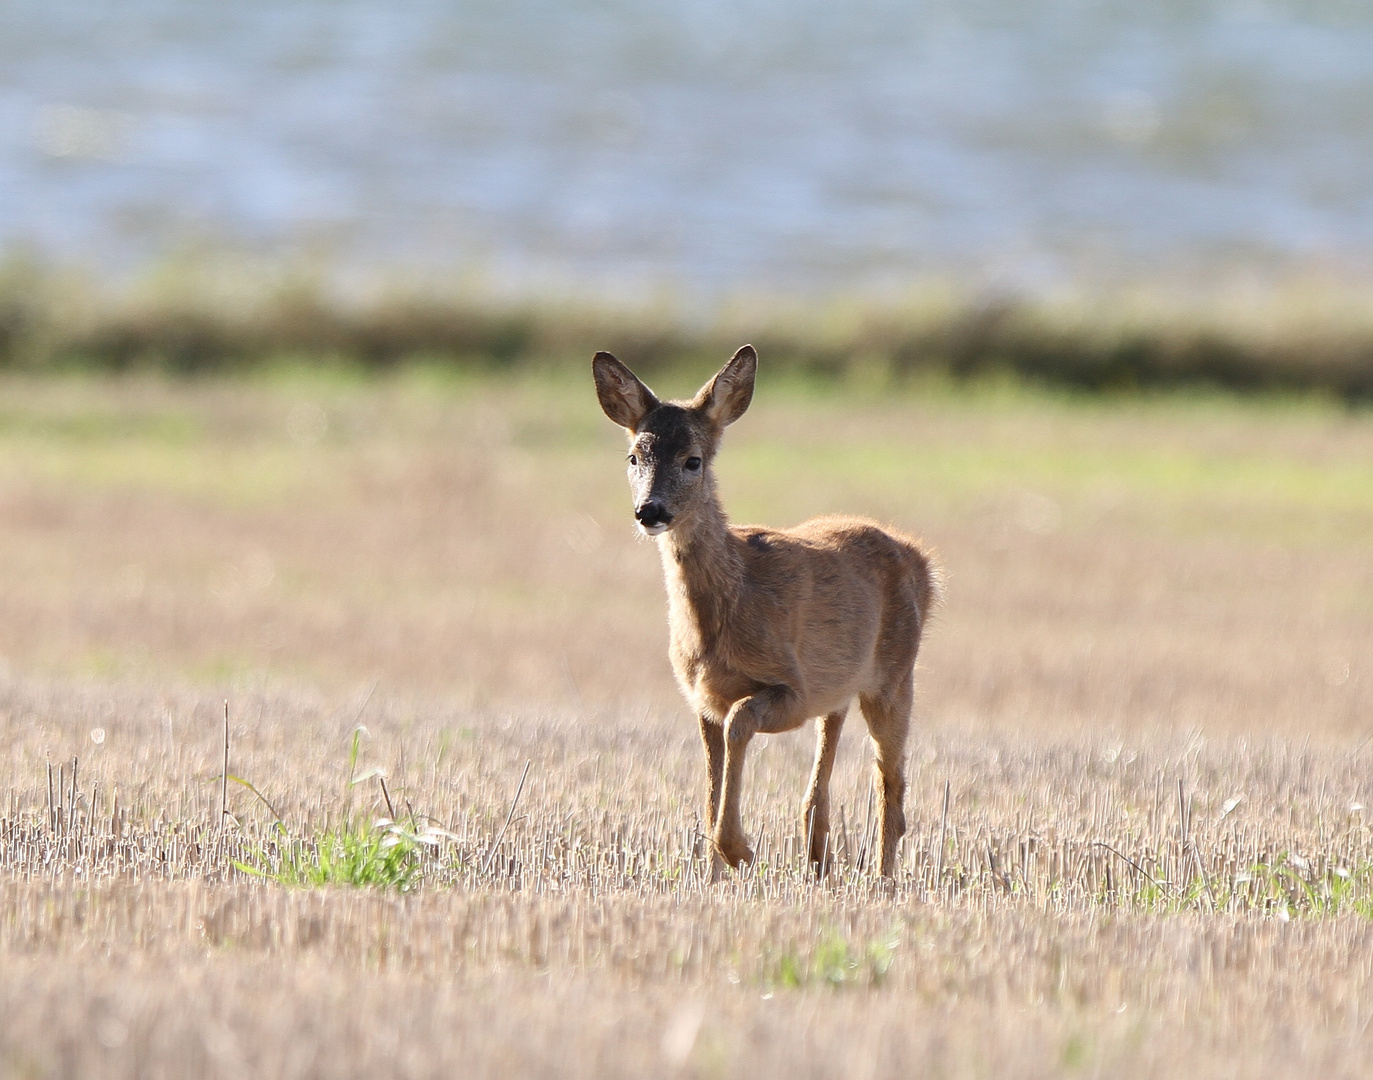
624 398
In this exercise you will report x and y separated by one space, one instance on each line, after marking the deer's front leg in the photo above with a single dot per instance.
713 739
772 710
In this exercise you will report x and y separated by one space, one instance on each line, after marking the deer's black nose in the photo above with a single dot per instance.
652 513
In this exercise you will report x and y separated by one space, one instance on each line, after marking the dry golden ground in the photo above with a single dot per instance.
1148 699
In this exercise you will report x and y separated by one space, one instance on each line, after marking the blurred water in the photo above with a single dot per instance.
712 145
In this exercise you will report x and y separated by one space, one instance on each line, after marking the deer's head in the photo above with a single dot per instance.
672 443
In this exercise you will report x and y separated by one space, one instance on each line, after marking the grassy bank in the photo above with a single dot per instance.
1303 333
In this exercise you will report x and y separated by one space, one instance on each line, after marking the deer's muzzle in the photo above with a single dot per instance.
653 517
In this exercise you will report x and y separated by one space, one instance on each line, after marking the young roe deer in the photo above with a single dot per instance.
770 627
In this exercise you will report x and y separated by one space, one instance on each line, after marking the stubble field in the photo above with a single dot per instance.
1138 775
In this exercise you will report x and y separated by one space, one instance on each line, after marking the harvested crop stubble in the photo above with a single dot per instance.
239 1016
1147 702
165 980
1168 823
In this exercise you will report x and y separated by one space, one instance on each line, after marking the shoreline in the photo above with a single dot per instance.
1304 334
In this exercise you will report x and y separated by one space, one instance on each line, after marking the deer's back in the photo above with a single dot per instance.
834 552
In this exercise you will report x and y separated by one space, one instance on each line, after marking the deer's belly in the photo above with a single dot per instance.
713 694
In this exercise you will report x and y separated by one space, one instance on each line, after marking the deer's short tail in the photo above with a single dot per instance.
928 579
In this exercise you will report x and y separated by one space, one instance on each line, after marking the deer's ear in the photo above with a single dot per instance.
726 397
624 398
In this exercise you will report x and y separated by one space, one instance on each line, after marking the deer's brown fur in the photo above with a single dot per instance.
770 627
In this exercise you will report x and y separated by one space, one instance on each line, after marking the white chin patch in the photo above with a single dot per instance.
653 530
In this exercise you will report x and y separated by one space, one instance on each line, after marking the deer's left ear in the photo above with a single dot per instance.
726 397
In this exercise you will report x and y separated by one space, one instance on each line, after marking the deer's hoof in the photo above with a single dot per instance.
821 855
734 850
717 867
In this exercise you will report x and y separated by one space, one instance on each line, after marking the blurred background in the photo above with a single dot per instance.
693 145
1008 267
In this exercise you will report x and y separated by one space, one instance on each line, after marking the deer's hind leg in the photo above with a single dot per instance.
816 816
889 719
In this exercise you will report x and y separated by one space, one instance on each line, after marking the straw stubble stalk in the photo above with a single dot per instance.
71 802
943 832
495 844
224 775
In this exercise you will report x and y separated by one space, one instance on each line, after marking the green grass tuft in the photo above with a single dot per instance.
385 855
834 963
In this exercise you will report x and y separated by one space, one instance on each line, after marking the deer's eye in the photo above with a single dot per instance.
691 464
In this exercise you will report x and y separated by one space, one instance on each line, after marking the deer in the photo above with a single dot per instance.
769 628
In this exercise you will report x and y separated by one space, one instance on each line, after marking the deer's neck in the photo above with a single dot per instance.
704 569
